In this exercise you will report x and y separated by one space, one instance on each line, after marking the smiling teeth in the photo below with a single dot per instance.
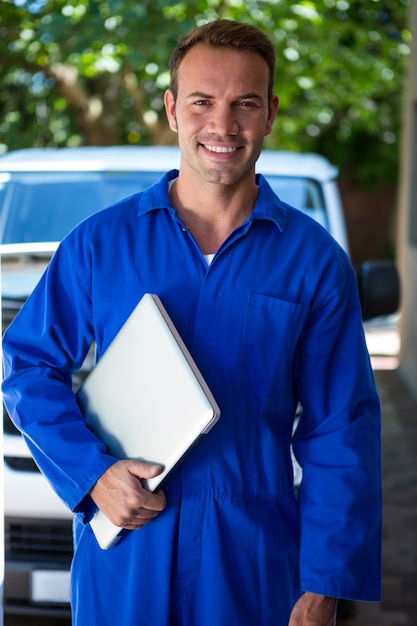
220 149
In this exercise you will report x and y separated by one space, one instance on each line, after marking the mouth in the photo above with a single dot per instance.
220 149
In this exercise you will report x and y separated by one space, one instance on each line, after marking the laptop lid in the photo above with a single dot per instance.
146 398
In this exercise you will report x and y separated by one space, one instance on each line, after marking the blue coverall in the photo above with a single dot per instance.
273 321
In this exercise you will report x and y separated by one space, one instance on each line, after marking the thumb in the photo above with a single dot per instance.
141 469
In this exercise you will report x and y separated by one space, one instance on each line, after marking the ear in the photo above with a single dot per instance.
273 108
170 110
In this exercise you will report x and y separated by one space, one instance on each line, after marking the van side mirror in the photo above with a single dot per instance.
379 288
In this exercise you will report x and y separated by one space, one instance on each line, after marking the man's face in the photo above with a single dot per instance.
222 113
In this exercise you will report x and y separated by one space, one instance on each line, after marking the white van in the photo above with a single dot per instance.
43 194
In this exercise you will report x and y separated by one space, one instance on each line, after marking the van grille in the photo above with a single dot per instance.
21 464
40 541
8 426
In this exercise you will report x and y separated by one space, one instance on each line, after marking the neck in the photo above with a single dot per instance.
211 212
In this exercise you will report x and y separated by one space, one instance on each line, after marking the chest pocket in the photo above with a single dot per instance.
270 339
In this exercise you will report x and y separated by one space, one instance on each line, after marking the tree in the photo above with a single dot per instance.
94 72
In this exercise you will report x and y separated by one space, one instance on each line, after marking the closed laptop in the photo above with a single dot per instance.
146 398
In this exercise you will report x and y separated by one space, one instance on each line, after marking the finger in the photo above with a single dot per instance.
150 501
145 515
144 470
135 517
140 518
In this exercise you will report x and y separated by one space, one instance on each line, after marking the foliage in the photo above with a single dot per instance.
94 72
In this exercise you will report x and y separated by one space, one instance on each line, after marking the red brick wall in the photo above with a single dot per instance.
370 220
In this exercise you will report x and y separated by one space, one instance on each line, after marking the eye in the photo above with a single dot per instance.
247 104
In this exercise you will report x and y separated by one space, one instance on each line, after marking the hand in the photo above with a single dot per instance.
119 493
314 610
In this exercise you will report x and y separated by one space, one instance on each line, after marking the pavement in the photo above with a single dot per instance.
399 468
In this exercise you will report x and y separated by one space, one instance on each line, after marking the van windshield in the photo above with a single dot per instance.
44 207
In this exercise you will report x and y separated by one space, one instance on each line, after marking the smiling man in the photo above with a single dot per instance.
267 304
221 108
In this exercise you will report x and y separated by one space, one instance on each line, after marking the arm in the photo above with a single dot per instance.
44 345
337 443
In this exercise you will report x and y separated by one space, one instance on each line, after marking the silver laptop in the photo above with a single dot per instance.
146 398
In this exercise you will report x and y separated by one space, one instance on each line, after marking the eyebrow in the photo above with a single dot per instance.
246 96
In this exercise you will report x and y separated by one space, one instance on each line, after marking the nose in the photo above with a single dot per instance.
223 120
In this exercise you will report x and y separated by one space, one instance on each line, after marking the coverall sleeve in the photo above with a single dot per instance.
337 444
47 342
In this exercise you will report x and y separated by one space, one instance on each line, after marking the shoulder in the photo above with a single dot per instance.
292 220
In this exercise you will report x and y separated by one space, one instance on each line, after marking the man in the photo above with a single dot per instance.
267 303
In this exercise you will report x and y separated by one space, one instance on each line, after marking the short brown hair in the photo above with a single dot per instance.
224 34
